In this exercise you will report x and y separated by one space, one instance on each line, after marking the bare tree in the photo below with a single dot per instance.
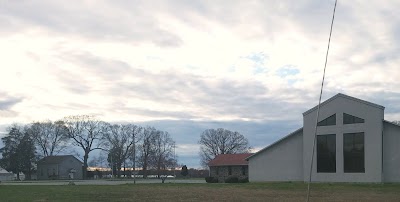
146 148
122 140
86 133
51 138
221 141
162 154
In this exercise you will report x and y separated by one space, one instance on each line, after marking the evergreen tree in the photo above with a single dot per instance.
184 171
18 153
27 156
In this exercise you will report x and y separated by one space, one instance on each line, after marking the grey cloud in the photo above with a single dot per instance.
77 82
225 97
133 24
96 66
273 17
387 99
222 97
8 102
72 81
154 113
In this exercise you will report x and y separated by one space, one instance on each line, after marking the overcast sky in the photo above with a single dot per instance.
185 66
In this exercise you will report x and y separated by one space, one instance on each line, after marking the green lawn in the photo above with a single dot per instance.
202 192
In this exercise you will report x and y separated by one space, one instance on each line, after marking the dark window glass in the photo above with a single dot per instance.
350 119
353 151
229 170
217 170
243 170
330 121
326 153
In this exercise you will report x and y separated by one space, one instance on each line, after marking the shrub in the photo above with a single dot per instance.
244 180
211 180
232 179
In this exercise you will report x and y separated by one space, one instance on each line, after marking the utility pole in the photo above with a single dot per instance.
112 167
134 163
174 162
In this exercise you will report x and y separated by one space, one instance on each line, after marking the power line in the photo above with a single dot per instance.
319 103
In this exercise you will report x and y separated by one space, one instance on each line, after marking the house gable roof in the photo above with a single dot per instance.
229 160
276 143
55 159
346 97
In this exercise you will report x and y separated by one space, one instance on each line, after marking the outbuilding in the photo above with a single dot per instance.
59 167
224 166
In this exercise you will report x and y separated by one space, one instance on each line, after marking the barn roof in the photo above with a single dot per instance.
54 159
230 160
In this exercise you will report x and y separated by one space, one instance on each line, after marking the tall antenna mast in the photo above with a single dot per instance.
319 103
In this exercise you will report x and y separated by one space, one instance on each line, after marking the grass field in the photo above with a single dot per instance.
202 192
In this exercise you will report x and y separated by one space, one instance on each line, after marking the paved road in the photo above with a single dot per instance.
100 182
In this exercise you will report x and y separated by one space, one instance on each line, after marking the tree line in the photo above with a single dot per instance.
126 145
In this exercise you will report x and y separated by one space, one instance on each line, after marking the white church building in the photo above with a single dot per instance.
353 144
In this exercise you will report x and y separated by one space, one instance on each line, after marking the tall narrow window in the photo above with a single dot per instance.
350 119
217 170
353 152
330 121
326 153
229 170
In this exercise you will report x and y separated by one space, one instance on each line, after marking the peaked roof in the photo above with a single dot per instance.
346 97
3 171
277 142
55 159
230 160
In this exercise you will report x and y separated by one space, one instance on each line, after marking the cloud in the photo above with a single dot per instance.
6 104
90 19
256 62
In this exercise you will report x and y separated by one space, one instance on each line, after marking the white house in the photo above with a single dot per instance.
353 144
5 175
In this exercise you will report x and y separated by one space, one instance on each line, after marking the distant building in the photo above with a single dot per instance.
6 176
229 165
59 167
10 176
353 144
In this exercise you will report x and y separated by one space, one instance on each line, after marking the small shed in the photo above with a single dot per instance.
59 167
224 166
5 175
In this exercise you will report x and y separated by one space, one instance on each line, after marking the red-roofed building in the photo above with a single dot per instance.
224 166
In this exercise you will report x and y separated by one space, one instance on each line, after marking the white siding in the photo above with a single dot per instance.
372 129
281 162
391 153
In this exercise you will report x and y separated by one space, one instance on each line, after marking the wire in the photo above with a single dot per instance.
319 104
